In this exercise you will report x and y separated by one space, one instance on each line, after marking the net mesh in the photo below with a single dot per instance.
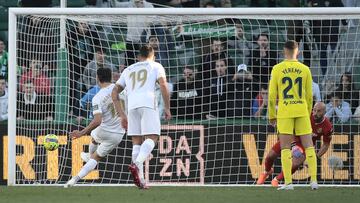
218 68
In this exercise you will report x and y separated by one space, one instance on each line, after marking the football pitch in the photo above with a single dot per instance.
176 194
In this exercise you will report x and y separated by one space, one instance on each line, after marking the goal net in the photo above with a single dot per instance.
218 64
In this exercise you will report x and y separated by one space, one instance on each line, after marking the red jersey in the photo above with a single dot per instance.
323 129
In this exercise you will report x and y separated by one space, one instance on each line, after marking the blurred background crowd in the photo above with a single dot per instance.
217 69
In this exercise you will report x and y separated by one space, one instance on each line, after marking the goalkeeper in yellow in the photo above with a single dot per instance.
290 89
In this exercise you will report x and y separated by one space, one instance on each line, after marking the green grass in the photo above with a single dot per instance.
176 195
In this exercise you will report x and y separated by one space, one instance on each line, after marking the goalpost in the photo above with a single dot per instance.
215 138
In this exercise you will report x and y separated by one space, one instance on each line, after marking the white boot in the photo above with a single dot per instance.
72 182
286 187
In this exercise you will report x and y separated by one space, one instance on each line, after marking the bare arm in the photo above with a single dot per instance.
166 96
323 149
117 102
92 125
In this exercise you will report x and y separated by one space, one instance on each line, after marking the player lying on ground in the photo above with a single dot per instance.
291 90
321 127
143 118
105 128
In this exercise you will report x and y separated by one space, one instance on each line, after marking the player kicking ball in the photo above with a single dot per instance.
105 128
143 121
291 90
321 127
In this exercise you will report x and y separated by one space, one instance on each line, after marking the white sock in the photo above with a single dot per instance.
146 147
87 168
135 152
92 148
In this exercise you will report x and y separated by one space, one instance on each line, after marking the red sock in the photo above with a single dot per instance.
268 164
281 174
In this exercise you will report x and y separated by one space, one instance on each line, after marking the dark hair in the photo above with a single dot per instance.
264 34
217 39
153 36
99 50
291 45
2 77
146 51
264 86
337 94
348 75
104 75
222 59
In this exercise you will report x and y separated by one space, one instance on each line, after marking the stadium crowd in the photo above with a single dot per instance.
210 77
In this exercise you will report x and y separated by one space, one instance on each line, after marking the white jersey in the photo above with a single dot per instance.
102 103
4 106
140 81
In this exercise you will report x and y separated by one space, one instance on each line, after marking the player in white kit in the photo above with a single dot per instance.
105 128
143 121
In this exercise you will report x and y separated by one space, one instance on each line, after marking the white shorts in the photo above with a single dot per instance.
107 140
143 121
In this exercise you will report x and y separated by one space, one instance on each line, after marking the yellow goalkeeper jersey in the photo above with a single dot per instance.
291 89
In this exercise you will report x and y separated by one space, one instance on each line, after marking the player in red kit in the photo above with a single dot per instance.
321 127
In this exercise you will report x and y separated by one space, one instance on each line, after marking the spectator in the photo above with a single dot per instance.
259 105
337 110
161 56
326 32
244 91
40 81
82 41
38 40
217 52
3 60
89 74
135 27
239 43
85 103
316 92
262 60
32 106
187 98
220 92
348 91
3 99
165 38
356 115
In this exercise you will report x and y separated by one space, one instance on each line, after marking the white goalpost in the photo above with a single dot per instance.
218 63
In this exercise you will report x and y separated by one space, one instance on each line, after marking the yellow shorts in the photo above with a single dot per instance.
294 126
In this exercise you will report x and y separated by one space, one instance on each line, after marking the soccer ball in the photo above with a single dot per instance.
51 142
